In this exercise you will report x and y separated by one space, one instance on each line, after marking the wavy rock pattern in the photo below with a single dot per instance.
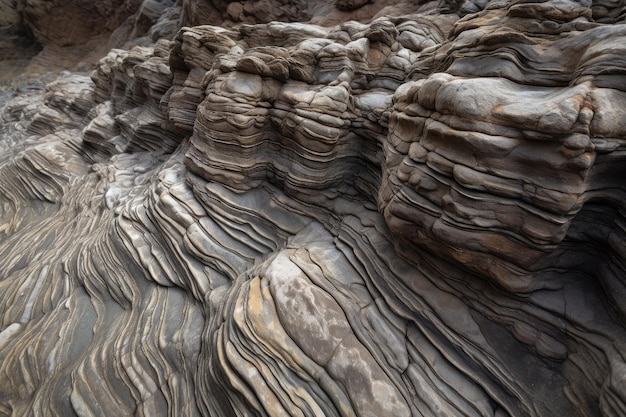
417 216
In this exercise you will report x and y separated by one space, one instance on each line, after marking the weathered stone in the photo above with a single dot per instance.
386 210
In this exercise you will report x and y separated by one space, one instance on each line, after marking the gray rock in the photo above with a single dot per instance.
416 214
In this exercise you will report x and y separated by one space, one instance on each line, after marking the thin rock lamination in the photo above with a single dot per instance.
417 216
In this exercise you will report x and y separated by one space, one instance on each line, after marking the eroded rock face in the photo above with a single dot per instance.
49 36
414 216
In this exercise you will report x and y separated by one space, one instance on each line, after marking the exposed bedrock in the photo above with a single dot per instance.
55 35
416 216
324 12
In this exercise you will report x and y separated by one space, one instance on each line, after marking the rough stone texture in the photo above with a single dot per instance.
420 214
227 13
17 45
75 34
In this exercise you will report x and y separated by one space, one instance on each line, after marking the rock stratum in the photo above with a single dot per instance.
273 209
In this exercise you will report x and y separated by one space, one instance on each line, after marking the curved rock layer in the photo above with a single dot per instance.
417 216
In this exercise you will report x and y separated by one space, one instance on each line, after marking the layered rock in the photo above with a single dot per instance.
325 12
415 216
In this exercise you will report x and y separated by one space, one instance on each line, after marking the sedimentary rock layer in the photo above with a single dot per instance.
414 216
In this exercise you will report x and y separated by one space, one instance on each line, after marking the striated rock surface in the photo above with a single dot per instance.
419 214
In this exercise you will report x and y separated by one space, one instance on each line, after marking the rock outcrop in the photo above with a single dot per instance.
420 214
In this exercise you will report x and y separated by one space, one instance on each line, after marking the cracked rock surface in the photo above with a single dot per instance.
342 208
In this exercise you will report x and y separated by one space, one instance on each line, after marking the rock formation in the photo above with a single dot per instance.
272 209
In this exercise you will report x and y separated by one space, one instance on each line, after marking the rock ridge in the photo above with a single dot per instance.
420 214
